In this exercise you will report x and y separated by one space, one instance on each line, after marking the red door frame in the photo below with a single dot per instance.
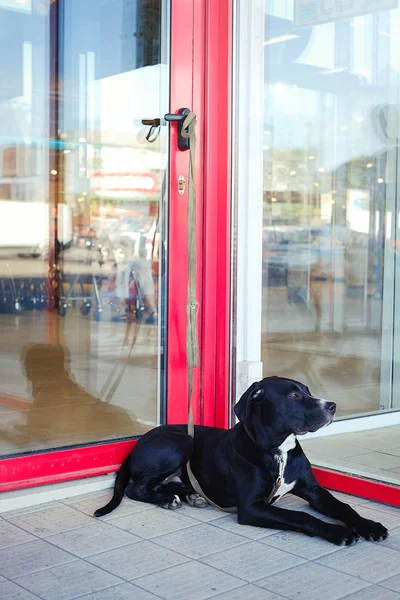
211 100
217 213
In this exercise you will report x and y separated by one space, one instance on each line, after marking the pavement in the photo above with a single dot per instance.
58 551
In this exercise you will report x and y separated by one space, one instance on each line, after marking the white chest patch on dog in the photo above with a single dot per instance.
282 487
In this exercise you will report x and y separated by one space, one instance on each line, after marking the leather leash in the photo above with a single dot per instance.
192 343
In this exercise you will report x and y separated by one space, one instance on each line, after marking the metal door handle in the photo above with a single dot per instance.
183 143
179 117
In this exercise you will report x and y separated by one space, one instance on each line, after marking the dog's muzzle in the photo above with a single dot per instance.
322 416
329 409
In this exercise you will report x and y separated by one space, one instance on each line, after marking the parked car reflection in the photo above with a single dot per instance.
322 252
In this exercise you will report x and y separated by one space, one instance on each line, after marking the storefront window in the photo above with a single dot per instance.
82 220
330 209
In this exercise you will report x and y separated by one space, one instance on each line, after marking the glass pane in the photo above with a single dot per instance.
82 220
330 215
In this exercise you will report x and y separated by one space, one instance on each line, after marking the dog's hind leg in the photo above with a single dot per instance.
185 492
170 493
157 457
157 462
149 489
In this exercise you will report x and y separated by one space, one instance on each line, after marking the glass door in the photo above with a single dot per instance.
323 215
85 212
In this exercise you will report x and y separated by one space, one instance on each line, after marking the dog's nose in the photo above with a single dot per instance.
331 407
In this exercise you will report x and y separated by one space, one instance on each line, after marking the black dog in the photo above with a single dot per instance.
249 466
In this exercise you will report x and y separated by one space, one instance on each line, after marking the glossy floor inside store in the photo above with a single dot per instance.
373 454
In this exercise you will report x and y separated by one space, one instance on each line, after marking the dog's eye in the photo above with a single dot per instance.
295 395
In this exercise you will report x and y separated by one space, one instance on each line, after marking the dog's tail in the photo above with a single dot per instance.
121 481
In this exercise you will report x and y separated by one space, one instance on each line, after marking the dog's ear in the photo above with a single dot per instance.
253 394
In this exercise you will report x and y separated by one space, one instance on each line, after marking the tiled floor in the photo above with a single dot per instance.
59 551
374 454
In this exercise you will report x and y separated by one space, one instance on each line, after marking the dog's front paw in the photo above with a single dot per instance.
342 536
372 531
172 502
196 501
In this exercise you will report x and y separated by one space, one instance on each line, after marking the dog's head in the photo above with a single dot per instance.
283 406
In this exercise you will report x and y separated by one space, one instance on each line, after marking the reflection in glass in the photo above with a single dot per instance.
331 131
81 220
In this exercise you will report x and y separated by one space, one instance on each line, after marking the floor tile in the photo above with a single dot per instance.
68 582
127 507
347 498
30 509
388 519
374 592
300 544
385 508
394 451
199 541
98 495
292 501
378 460
12 591
192 580
384 434
28 558
52 521
393 541
252 561
369 442
229 523
395 471
159 522
248 592
312 582
131 562
351 465
335 449
11 535
125 591
393 583
370 561
94 539
202 514
317 459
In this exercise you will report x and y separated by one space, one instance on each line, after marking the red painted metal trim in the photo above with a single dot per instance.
364 488
199 30
62 465
187 90
217 213
78 463
181 96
